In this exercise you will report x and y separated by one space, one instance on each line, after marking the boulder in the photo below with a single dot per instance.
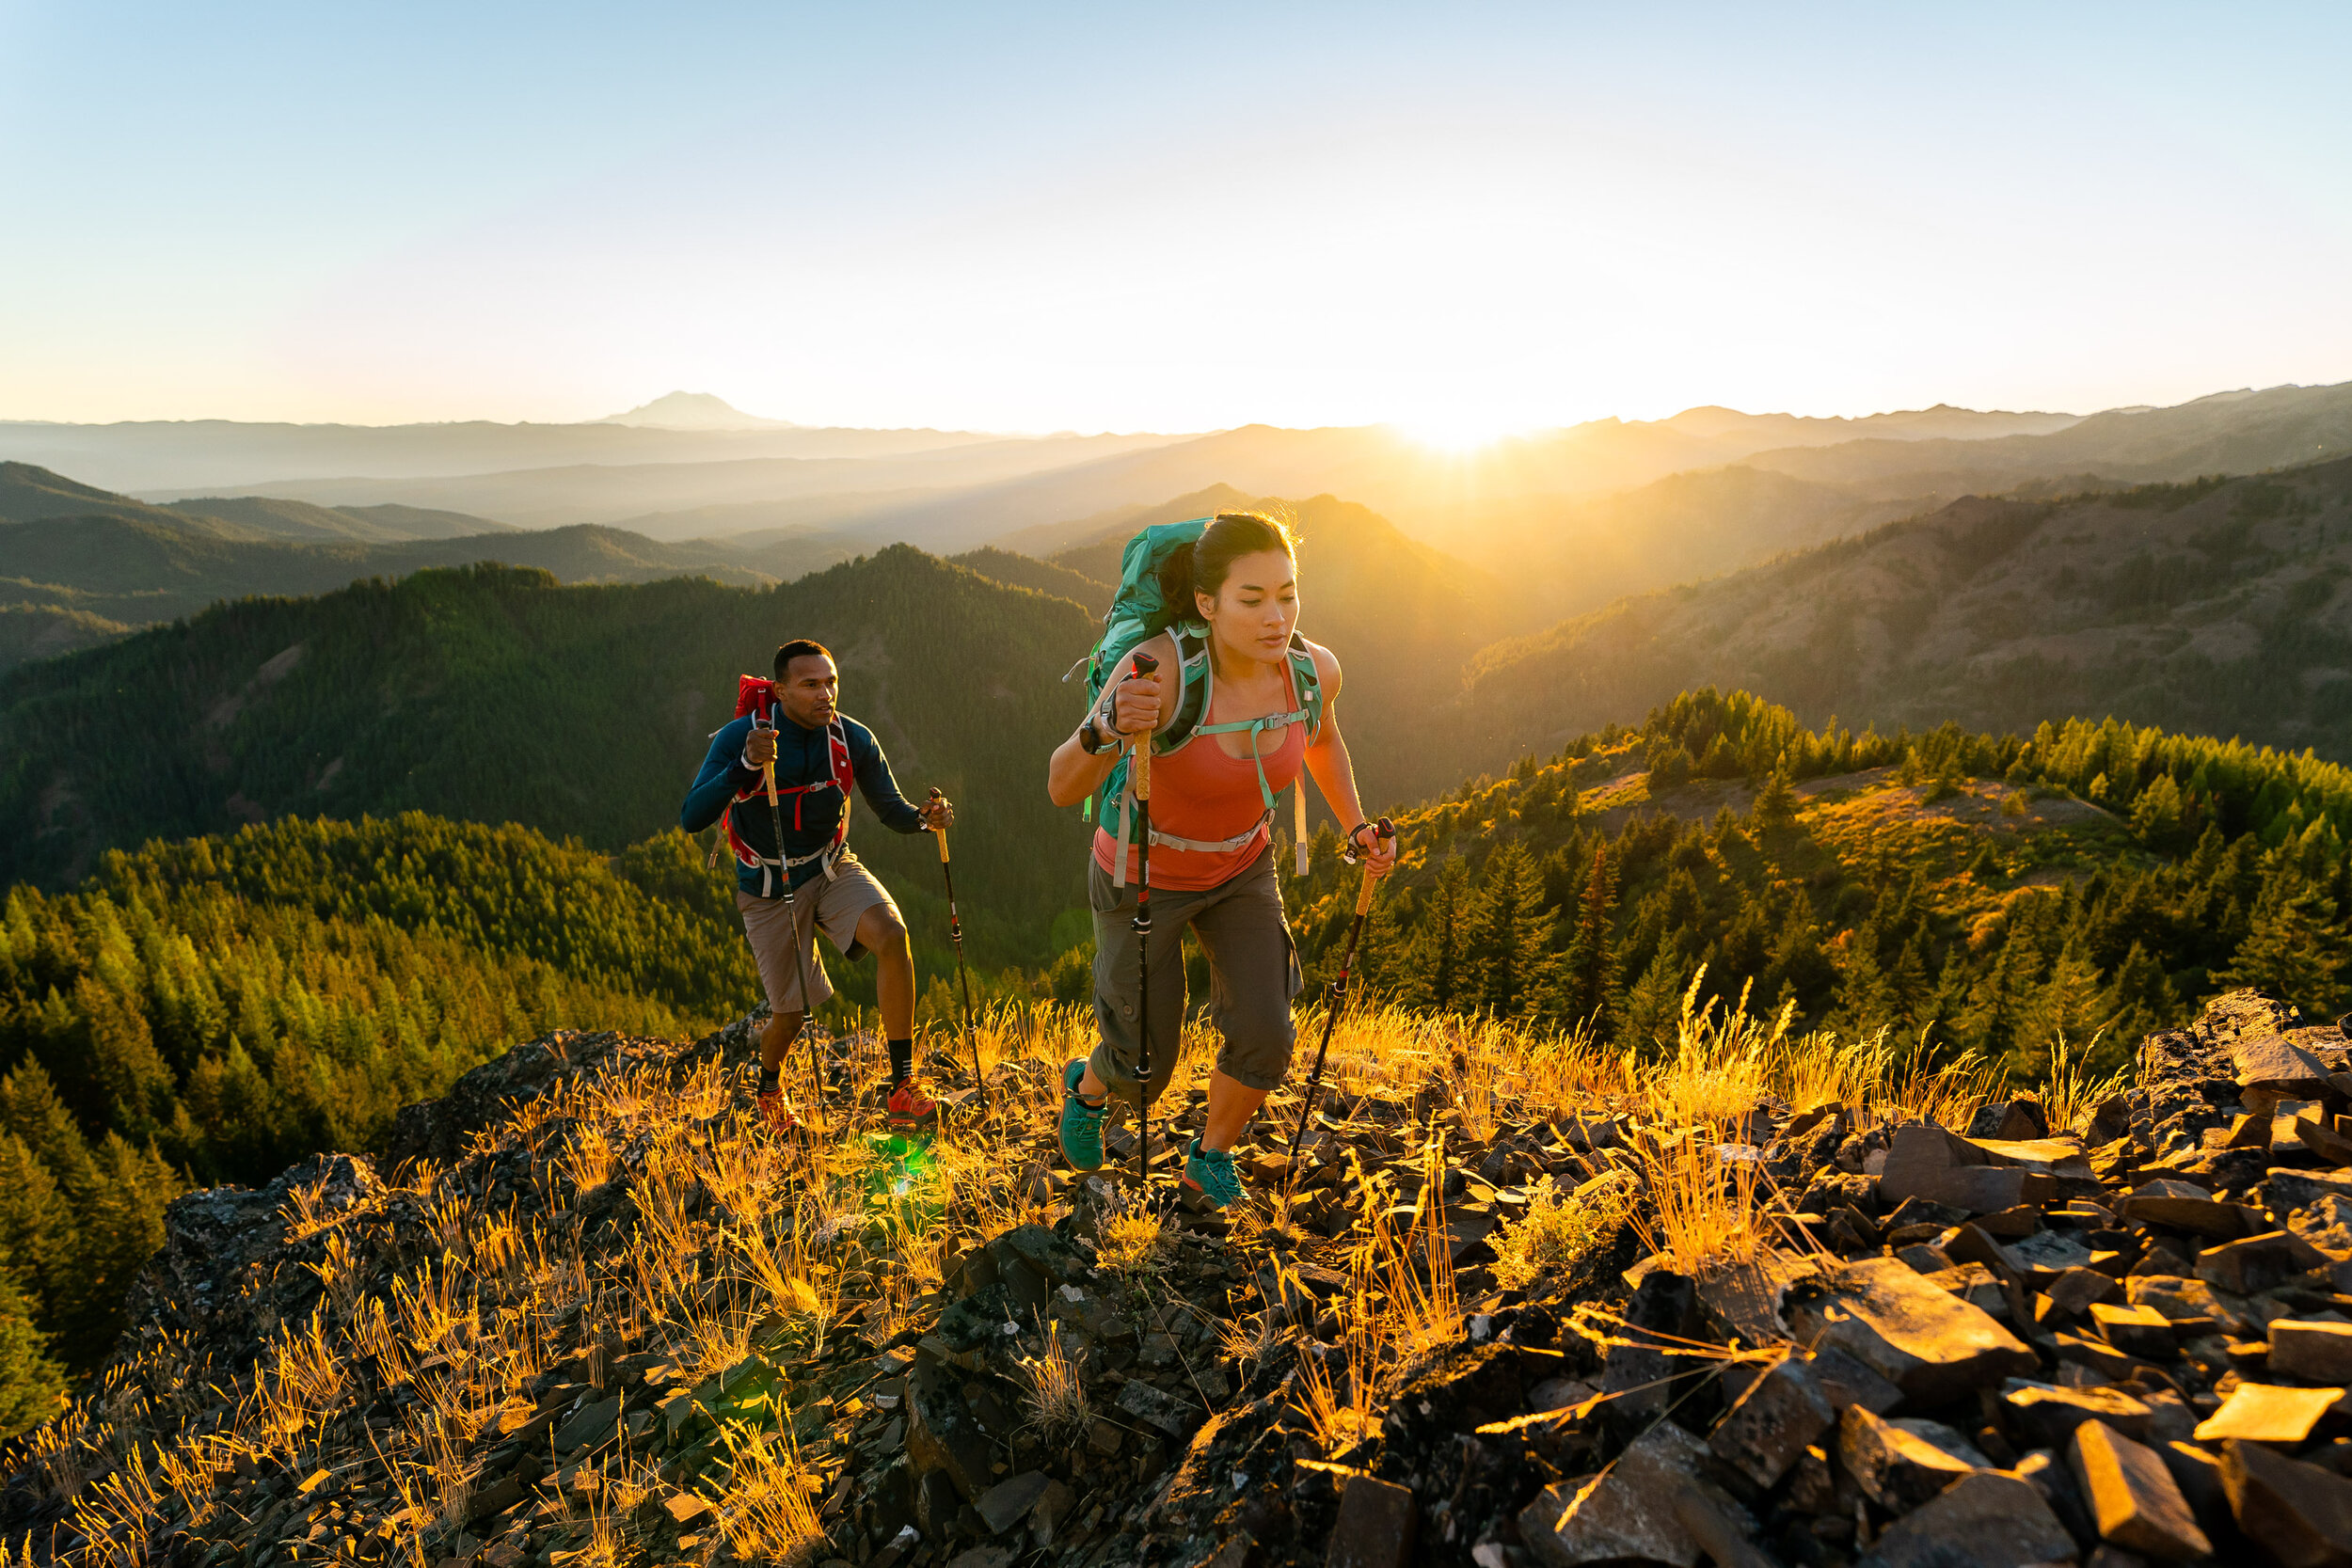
2133 1497
2257 1263
1926 1342
1991 1519
1901 1463
2320 1352
1653 1503
2300 1514
940 1433
2277 1061
1781 1414
1375 1529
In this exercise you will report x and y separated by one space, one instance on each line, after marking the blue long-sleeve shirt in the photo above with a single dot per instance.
803 757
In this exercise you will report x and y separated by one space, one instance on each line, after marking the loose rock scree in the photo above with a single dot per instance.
1764 1301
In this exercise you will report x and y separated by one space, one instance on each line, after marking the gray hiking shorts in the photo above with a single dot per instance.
832 905
1253 976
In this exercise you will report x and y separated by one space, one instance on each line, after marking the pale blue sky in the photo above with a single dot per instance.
1132 217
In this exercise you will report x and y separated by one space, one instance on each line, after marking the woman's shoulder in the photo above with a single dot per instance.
1326 664
1160 645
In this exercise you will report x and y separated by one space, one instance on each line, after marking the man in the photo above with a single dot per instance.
797 725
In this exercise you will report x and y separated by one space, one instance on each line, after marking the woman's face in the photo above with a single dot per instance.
1255 612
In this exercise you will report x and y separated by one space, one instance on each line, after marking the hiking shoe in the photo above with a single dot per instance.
909 1106
1209 1173
1081 1123
776 1115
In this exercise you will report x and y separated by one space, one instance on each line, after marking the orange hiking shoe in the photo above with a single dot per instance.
778 1115
910 1107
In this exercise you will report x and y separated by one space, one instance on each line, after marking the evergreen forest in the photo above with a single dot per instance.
214 1010
2022 897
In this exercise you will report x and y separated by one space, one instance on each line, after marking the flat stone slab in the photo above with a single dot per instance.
2048 1414
1925 1341
2268 1413
2275 1060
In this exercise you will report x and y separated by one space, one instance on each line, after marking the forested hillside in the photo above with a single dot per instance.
216 1009
79 566
494 695
1986 893
2216 608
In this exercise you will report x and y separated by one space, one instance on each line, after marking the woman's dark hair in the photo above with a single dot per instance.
1202 567
800 647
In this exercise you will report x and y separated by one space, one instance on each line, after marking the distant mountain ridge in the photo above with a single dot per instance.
950 492
692 411
2218 606
80 565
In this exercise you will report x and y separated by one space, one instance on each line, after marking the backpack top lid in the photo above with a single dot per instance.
752 692
1139 610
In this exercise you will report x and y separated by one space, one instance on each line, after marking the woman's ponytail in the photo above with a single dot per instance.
1202 567
1176 582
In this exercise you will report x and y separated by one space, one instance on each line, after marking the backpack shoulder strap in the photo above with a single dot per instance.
1192 699
1310 683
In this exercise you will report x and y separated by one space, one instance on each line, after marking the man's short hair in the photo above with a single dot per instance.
800 647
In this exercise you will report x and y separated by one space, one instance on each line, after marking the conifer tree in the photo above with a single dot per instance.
1442 978
2293 948
1776 802
1512 930
1654 1005
1587 973
32 1384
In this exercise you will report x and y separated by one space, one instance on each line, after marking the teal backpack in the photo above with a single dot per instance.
1140 611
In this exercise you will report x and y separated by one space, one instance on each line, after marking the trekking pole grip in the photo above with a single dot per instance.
1139 758
943 836
1384 828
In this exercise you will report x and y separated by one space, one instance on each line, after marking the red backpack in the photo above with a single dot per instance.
753 693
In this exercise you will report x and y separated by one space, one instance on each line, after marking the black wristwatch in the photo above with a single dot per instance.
1094 741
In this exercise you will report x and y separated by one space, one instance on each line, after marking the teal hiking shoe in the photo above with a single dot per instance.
1081 1123
1209 1173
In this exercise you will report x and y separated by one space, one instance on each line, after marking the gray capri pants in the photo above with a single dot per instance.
1253 968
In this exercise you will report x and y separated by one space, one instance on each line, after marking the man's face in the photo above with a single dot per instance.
810 691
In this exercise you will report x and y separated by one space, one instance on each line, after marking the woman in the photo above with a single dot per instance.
1219 759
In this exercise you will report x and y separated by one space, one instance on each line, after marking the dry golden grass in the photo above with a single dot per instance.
1054 1399
1702 1210
738 1233
769 1515
1128 1234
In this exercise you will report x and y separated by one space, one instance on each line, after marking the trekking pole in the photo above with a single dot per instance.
955 933
1384 828
1139 776
800 952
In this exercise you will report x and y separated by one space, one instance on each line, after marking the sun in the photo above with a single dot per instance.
1456 433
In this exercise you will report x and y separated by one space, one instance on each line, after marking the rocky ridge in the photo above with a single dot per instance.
2128 1341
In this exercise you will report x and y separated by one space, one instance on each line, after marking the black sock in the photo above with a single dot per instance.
768 1080
902 1060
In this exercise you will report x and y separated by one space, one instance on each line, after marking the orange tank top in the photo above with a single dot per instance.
1201 793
